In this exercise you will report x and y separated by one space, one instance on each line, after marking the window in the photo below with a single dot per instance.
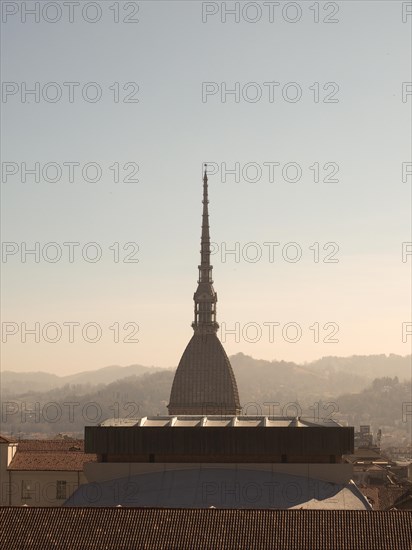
27 489
61 490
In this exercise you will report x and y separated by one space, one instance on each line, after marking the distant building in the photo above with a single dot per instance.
226 462
204 382
364 437
7 450
42 472
382 481
205 453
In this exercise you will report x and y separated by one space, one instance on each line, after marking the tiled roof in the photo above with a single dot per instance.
51 444
383 498
4 439
399 497
184 529
51 455
372 494
404 502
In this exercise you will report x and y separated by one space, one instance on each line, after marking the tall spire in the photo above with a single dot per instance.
205 297
205 269
204 382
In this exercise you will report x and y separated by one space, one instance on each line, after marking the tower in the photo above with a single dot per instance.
204 382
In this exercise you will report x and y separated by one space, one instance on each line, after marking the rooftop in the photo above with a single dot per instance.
366 455
210 421
384 498
51 455
221 439
220 486
6 439
184 529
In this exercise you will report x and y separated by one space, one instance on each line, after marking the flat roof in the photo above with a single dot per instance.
200 421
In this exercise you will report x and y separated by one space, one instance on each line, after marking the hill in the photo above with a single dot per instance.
14 383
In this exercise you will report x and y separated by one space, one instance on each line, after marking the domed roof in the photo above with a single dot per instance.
204 382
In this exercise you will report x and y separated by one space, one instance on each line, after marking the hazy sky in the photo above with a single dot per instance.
289 91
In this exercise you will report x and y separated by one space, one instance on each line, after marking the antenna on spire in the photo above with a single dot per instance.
205 175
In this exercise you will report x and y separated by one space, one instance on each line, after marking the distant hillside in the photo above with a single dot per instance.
64 410
50 413
369 366
384 403
135 391
258 377
265 381
14 383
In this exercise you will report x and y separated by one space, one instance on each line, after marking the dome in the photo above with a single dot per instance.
204 382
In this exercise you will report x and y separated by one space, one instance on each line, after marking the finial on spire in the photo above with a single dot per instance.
205 174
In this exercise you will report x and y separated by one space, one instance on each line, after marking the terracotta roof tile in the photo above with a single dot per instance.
51 455
389 496
383 498
184 529
51 444
6 439
372 494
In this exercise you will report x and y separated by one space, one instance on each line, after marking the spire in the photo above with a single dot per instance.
205 269
205 297
204 382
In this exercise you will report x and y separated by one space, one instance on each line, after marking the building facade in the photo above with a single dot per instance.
42 472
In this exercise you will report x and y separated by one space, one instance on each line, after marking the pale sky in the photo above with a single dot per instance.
326 95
